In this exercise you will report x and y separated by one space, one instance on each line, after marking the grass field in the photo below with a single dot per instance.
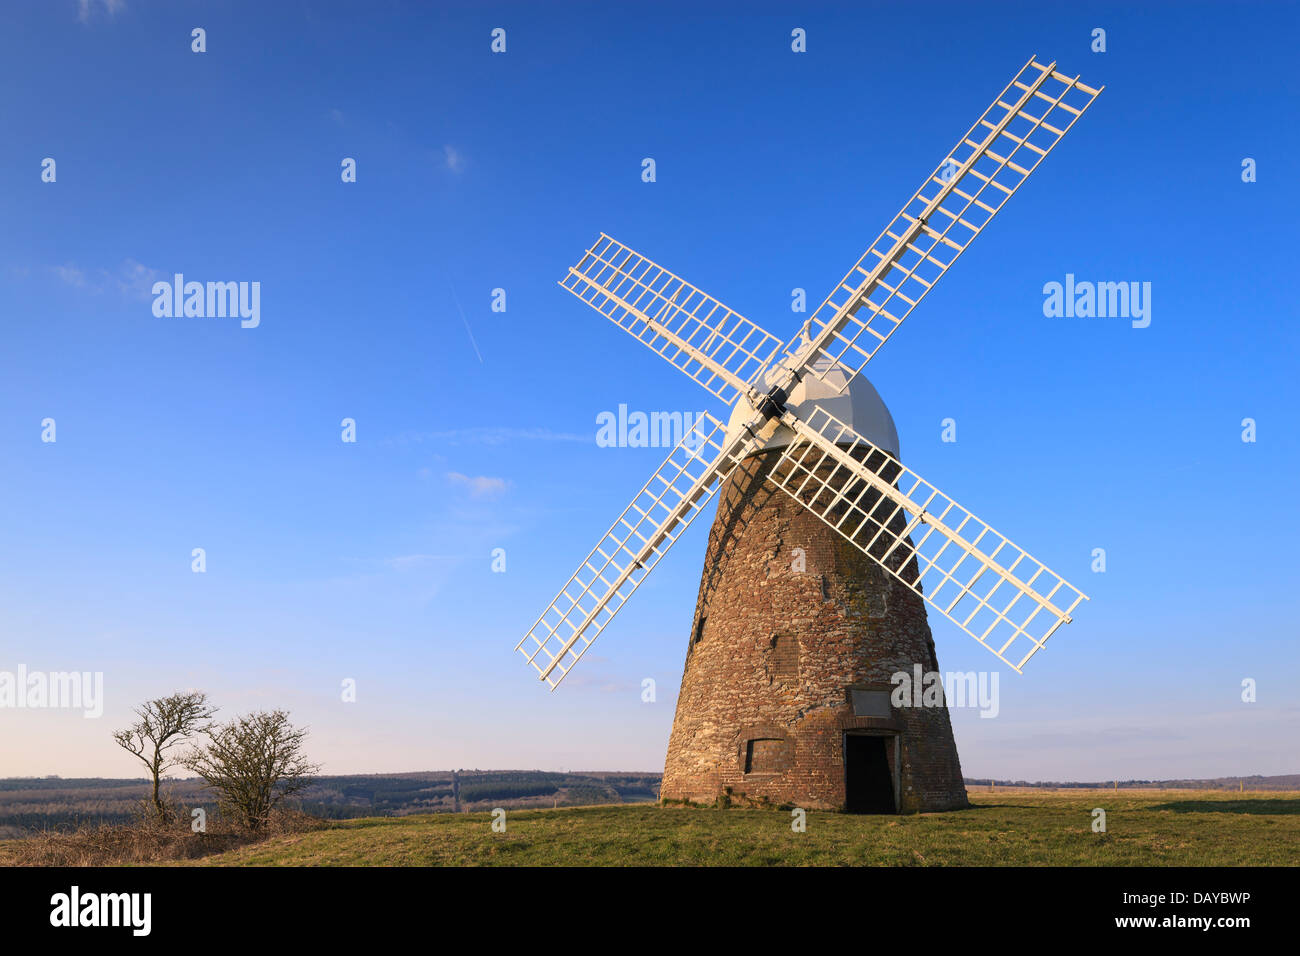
1016 828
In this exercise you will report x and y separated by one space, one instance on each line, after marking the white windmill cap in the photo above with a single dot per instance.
859 406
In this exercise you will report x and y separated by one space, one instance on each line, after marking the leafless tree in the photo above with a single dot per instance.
252 763
163 723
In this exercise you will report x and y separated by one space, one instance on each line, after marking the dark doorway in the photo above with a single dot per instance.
869 785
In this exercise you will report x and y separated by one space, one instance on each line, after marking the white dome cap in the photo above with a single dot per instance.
859 406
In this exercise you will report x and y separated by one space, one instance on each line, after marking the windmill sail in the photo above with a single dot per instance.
943 217
719 348
990 588
629 551
995 591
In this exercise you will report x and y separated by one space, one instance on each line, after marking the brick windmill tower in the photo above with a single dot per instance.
825 545
786 696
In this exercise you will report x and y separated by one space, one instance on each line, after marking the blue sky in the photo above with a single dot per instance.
372 561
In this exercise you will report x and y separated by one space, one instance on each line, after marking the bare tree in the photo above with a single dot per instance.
164 723
253 762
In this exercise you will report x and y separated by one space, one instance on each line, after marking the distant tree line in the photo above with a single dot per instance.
64 804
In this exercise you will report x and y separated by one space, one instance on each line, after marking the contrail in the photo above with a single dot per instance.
466 321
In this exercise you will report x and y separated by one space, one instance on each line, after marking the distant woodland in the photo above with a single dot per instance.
54 803
58 803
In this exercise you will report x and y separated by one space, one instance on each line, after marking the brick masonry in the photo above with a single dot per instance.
775 652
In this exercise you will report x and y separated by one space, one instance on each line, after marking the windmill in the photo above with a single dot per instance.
785 695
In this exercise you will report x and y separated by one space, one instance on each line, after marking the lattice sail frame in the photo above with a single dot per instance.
718 348
958 564
728 354
650 525
954 205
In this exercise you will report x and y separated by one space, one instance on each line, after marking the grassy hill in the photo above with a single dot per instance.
1178 827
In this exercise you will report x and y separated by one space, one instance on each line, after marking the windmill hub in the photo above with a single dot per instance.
853 401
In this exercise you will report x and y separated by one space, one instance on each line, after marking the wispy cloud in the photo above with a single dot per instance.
605 684
131 279
136 280
337 116
454 158
497 435
413 562
85 8
70 275
479 486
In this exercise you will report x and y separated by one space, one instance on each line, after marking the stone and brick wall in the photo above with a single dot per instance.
774 652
